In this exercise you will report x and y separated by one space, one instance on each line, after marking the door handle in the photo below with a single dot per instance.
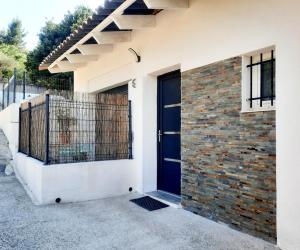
159 136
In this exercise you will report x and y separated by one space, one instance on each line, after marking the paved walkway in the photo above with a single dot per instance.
112 223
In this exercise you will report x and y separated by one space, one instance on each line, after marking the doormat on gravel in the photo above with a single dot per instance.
148 203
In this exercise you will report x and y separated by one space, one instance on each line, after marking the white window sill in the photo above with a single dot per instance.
266 106
258 109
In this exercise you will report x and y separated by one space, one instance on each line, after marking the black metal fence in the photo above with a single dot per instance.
16 89
71 127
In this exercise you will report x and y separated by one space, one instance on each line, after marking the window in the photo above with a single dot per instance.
123 89
259 81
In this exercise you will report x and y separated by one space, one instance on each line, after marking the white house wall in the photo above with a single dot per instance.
209 31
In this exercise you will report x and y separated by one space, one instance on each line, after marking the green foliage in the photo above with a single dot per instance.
81 14
12 52
6 65
2 36
51 35
14 35
11 57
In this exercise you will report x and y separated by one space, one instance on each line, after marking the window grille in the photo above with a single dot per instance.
264 89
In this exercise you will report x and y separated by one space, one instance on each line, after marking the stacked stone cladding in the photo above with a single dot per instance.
228 157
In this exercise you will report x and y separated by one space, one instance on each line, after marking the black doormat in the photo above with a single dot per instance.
2 167
149 203
2 170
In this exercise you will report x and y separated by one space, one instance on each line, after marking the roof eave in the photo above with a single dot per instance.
98 28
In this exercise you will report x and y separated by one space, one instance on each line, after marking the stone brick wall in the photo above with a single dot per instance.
228 169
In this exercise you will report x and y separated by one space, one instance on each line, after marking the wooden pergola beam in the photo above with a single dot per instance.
167 4
55 69
94 49
112 37
66 66
79 58
44 66
135 22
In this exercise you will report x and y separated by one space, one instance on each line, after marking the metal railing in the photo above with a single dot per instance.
67 128
15 90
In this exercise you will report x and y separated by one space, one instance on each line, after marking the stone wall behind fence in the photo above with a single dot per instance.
228 169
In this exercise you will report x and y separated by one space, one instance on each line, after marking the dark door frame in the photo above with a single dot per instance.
159 117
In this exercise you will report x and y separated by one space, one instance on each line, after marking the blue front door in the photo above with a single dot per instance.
168 134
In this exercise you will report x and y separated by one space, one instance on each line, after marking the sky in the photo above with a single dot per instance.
34 13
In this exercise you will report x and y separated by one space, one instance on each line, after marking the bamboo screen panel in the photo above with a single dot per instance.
111 132
32 128
24 128
87 127
38 132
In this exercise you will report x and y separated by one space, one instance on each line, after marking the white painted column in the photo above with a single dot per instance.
80 83
136 97
149 133
288 138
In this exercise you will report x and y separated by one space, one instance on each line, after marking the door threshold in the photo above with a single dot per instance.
172 200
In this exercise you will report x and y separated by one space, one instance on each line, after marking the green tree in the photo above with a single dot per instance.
14 35
6 65
11 57
2 36
81 14
51 35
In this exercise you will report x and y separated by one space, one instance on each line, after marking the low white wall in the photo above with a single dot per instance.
29 173
9 123
75 182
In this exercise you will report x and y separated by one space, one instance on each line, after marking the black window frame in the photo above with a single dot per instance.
262 63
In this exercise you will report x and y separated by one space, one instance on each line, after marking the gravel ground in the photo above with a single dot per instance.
113 223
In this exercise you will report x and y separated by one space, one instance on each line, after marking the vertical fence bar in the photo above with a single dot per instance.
272 78
47 127
24 83
70 84
15 85
261 79
20 122
29 129
251 82
7 97
3 97
130 156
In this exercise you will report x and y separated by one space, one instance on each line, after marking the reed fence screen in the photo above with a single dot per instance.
71 127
